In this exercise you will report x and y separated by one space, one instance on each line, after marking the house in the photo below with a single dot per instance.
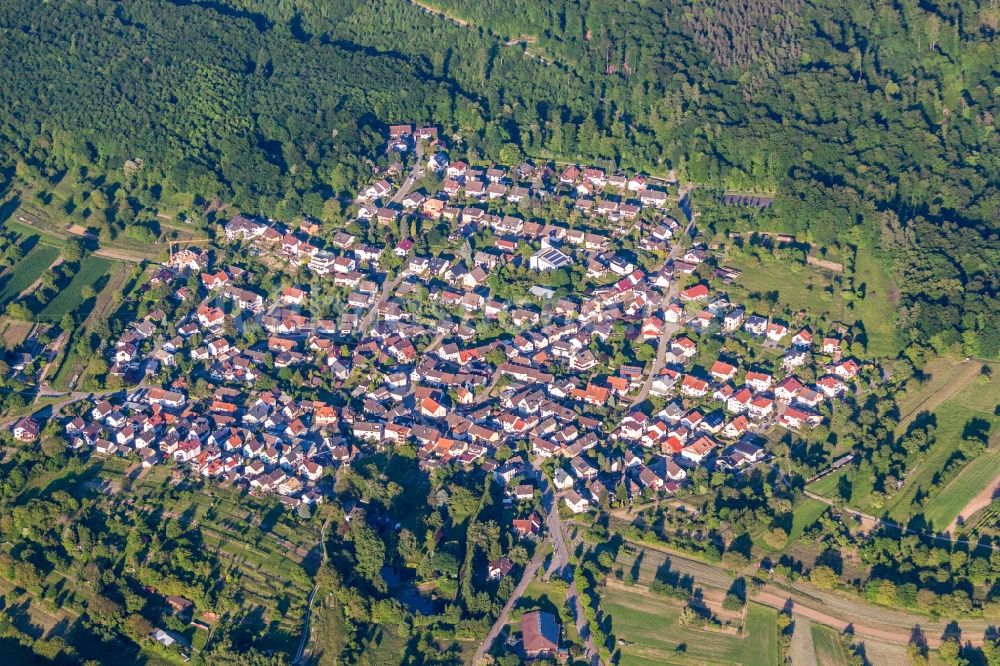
548 259
758 381
561 479
499 568
755 325
26 430
693 386
698 292
761 407
539 634
787 389
528 527
803 338
776 331
831 346
736 428
575 503
795 418
722 371
732 320
698 450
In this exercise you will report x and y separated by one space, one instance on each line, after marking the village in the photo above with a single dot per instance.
615 370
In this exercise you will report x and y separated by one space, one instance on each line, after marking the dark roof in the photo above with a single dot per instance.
539 632
753 200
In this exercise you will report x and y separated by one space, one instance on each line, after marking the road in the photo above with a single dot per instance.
561 566
389 287
300 653
416 173
384 293
529 574
669 329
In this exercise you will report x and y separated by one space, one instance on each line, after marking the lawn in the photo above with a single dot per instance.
24 273
799 287
92 269
829 648
329 630
652 634
877 310
945 377
804 514
977 399
760 645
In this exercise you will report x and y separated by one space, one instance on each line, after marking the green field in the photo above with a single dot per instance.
92 269
948 503
975 400
877 310
945 377
804 514
799 287
829 648
760 645
24 273
652 634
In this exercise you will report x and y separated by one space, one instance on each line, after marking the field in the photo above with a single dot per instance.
329 631
817 291
760 645
955 396
652 634
945 377
92 269
877 309
105 304
978 399
13 331
829 648
804 514
24 273
806 288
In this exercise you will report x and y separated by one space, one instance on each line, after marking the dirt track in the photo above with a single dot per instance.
831 608
983 498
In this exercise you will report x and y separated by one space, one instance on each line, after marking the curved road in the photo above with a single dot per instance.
300 653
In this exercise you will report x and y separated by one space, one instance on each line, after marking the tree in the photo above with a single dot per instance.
645 353
369 552
776 537
823 577
72 249
950 653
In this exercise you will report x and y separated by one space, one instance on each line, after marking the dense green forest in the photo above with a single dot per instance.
873 123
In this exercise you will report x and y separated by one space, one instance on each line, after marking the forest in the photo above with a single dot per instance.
874 125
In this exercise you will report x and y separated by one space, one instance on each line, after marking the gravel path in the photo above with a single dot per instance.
801 650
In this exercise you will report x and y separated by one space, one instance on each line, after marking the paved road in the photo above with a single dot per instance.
561 567
416 173
529 574
385 292
668 328
300 653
